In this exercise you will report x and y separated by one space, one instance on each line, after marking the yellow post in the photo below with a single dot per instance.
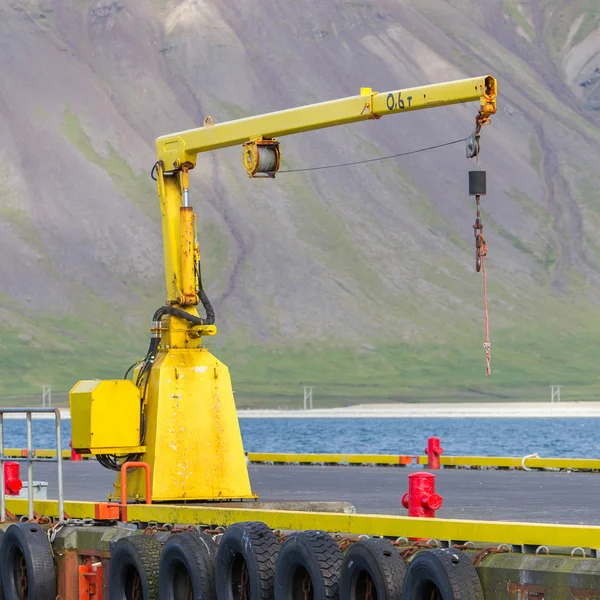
193 440
169 193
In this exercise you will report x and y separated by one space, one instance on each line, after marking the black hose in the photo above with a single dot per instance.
133 366
182 314
210 313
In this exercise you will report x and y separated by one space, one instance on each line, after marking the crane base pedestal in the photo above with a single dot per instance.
193 440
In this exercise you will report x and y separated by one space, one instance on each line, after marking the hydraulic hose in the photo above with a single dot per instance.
210 313
182 314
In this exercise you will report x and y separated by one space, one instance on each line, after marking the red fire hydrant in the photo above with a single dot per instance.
12 478
74 455
433 451
421 500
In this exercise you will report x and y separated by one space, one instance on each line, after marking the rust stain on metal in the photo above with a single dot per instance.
580 594
530 591
527 591
67 575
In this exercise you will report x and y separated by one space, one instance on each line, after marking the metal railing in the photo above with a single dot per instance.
30 458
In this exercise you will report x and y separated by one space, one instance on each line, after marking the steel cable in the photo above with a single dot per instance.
370 160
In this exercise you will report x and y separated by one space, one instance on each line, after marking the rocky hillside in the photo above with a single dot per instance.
358 280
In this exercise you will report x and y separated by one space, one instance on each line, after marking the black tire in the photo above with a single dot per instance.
450 572
309 565
134 563
372 564
187 568
26 553
245 564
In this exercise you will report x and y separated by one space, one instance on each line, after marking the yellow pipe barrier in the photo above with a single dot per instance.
492 532
489 462
587 464
359 459
41 453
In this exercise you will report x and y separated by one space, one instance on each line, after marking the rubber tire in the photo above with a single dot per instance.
137 552
383 564
319 555
30 540
450 570
196 553
257 545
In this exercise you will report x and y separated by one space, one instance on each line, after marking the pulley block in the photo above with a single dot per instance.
261 158
473 146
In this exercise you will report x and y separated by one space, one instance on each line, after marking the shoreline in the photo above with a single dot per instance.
495 410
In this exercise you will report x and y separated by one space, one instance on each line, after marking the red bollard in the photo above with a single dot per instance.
74 455
12 478
433 451
421 500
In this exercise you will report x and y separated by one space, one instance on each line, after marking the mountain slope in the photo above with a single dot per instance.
359 280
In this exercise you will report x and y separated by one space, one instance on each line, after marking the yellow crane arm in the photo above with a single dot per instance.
177 153
181 149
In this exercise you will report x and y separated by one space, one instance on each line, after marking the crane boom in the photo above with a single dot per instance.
181 149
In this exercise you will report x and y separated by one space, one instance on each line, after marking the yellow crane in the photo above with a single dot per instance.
178 413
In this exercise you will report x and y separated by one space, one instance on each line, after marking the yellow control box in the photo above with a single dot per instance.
105 416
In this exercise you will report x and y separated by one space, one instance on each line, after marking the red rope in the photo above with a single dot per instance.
487 345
